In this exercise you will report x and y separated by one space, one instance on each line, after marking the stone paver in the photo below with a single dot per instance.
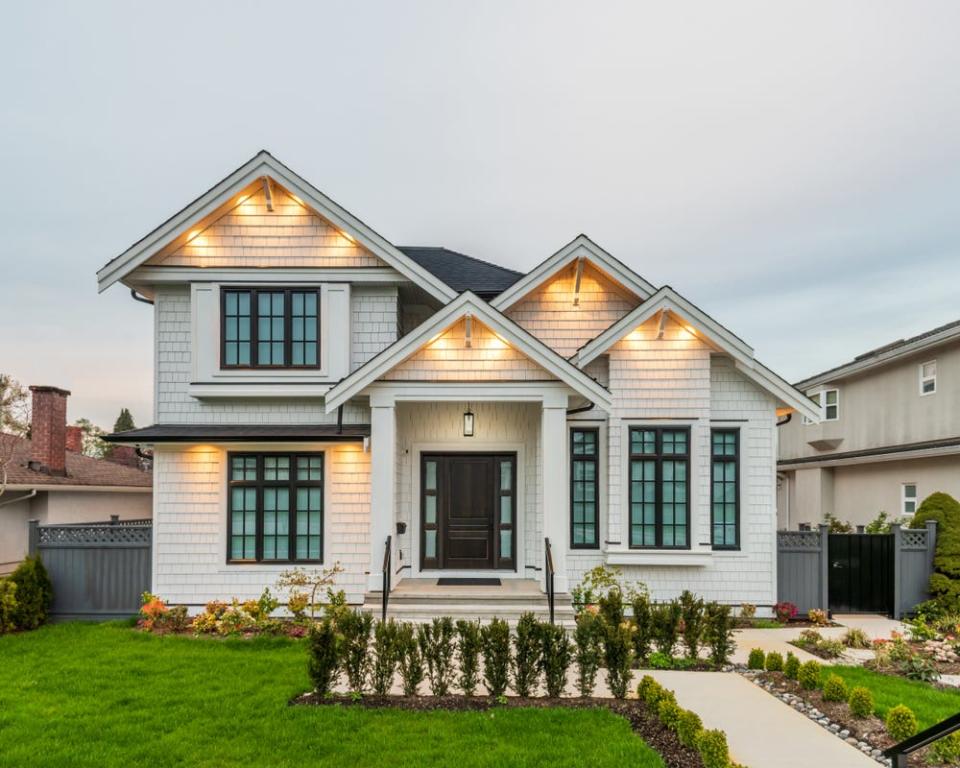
762 731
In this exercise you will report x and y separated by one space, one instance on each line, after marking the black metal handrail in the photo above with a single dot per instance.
550 572
898 752
387 567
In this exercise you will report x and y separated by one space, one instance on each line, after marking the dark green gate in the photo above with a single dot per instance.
861 573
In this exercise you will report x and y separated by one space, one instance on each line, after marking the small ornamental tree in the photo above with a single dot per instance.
324 658
555 656
437 648
468 655
409 659
526 655
587 637
495 639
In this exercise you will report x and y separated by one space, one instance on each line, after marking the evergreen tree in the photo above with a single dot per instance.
124 421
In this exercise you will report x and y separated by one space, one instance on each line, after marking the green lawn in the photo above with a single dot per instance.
107 695
929 704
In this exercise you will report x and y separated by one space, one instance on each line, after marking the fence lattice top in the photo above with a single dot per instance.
913 538
799 539
94 534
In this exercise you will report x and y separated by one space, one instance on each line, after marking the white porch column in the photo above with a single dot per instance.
383 467
554 485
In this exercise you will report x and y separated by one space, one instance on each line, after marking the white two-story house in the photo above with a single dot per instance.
322 395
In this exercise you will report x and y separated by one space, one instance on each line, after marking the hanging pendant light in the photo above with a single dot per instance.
468 422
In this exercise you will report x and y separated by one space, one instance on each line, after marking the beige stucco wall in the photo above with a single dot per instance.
62 507
858 493
884 407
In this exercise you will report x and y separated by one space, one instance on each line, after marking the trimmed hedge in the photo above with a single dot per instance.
945 581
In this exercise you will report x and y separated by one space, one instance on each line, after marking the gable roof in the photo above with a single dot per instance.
580 247
669 301
260 165
888 353
462 272
512 333
81 471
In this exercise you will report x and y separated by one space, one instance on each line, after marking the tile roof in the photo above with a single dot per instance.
81 470
185 433
462 272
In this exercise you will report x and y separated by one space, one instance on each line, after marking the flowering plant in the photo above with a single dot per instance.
785 610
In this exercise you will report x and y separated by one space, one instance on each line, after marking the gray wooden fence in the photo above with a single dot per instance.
98 570
803 567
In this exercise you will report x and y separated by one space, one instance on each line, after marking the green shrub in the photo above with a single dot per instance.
8 605
595 582
587 637
718 633
945 581
385 648
756 659
861 702
34 593
666 626
649 690
856 638
946 750
688 728
409 659
791 667
658 660
355 626
692 618
526 655
835 689
643 626
611 606
901 723
809 676
774 662
437 648
712 748
323 656
832 649
555 657
618 657
468 654
495 639
668 711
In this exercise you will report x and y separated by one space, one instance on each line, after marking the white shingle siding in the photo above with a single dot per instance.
374 321
190 526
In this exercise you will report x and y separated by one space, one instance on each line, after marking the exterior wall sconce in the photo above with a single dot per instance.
468 423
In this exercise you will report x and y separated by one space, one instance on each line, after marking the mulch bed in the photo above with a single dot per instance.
813 649
646 725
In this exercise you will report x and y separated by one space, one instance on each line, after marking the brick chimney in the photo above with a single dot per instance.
48 430
124 454
75 439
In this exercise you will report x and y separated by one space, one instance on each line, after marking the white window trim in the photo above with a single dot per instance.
923 379
904 499
820 394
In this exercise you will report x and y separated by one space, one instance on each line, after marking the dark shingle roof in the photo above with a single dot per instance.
462 272
186 433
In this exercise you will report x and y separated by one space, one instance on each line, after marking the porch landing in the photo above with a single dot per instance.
421 600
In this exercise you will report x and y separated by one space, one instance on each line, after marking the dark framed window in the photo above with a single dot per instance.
659 487
275 507
270 328
584 488
725 488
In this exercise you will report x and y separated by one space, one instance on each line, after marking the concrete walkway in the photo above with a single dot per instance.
762 731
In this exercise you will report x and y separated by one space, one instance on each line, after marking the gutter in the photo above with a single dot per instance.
19 498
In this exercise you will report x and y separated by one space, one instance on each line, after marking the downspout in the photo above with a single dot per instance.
581 409
141 299
785 479
19 498
339 419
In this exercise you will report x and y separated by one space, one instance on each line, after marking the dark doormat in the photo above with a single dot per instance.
448 582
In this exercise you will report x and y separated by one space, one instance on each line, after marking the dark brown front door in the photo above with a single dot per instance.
467 511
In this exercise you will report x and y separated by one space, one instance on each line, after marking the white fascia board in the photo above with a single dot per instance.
53 487
147 276
667 300
785 392
529 345
581 246
264 164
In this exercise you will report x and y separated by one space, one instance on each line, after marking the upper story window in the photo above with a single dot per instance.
928 377
270 328
659 488
829 402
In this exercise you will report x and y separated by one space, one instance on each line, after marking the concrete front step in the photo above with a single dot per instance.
419 610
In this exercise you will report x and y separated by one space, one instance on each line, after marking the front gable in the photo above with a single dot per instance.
255 230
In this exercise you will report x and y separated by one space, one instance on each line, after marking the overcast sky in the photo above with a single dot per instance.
792 168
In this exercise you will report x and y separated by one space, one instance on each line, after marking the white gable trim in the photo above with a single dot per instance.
666 300
264 164
513 334
580 247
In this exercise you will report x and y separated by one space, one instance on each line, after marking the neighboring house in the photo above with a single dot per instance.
320 391
888 438
50 480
